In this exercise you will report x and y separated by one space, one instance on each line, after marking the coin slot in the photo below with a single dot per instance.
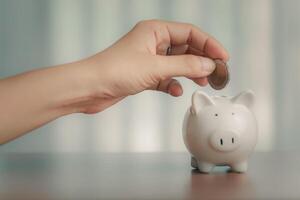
221 141
232 140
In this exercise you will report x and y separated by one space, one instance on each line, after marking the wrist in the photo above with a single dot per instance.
77 88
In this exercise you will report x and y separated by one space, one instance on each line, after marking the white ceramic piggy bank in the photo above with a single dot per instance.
220 130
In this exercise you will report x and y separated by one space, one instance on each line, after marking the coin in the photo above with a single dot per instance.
220 76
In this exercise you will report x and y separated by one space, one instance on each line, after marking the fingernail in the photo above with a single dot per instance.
208 65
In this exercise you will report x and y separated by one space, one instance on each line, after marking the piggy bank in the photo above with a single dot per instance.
220 130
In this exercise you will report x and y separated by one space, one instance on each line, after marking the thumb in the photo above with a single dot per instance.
190 66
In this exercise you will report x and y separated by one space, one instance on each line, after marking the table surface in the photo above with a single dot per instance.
273 175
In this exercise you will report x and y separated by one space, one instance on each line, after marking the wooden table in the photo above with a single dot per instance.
274 175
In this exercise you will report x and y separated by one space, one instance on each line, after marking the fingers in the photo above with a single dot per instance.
185 49
189 66
178 50
177 34
191 50
201 81
170 86
189 34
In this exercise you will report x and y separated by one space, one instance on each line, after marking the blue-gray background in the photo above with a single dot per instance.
262 36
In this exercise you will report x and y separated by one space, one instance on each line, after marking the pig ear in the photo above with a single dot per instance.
245 98
200 100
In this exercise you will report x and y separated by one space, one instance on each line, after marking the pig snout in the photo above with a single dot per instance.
224 141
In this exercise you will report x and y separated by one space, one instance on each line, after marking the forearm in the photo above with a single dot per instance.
32 99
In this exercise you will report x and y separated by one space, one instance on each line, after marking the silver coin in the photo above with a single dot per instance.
220 76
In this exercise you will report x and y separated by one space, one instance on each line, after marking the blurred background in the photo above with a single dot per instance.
263 38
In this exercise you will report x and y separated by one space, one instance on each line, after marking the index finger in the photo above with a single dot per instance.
188 34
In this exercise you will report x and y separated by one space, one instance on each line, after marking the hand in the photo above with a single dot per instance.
138 62
135 63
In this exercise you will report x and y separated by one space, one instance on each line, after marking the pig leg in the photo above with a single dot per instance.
204 167
240 167
194 163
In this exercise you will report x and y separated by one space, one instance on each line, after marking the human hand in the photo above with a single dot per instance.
135 63
138 62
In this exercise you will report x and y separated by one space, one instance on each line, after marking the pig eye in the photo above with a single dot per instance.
216 114
232 113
